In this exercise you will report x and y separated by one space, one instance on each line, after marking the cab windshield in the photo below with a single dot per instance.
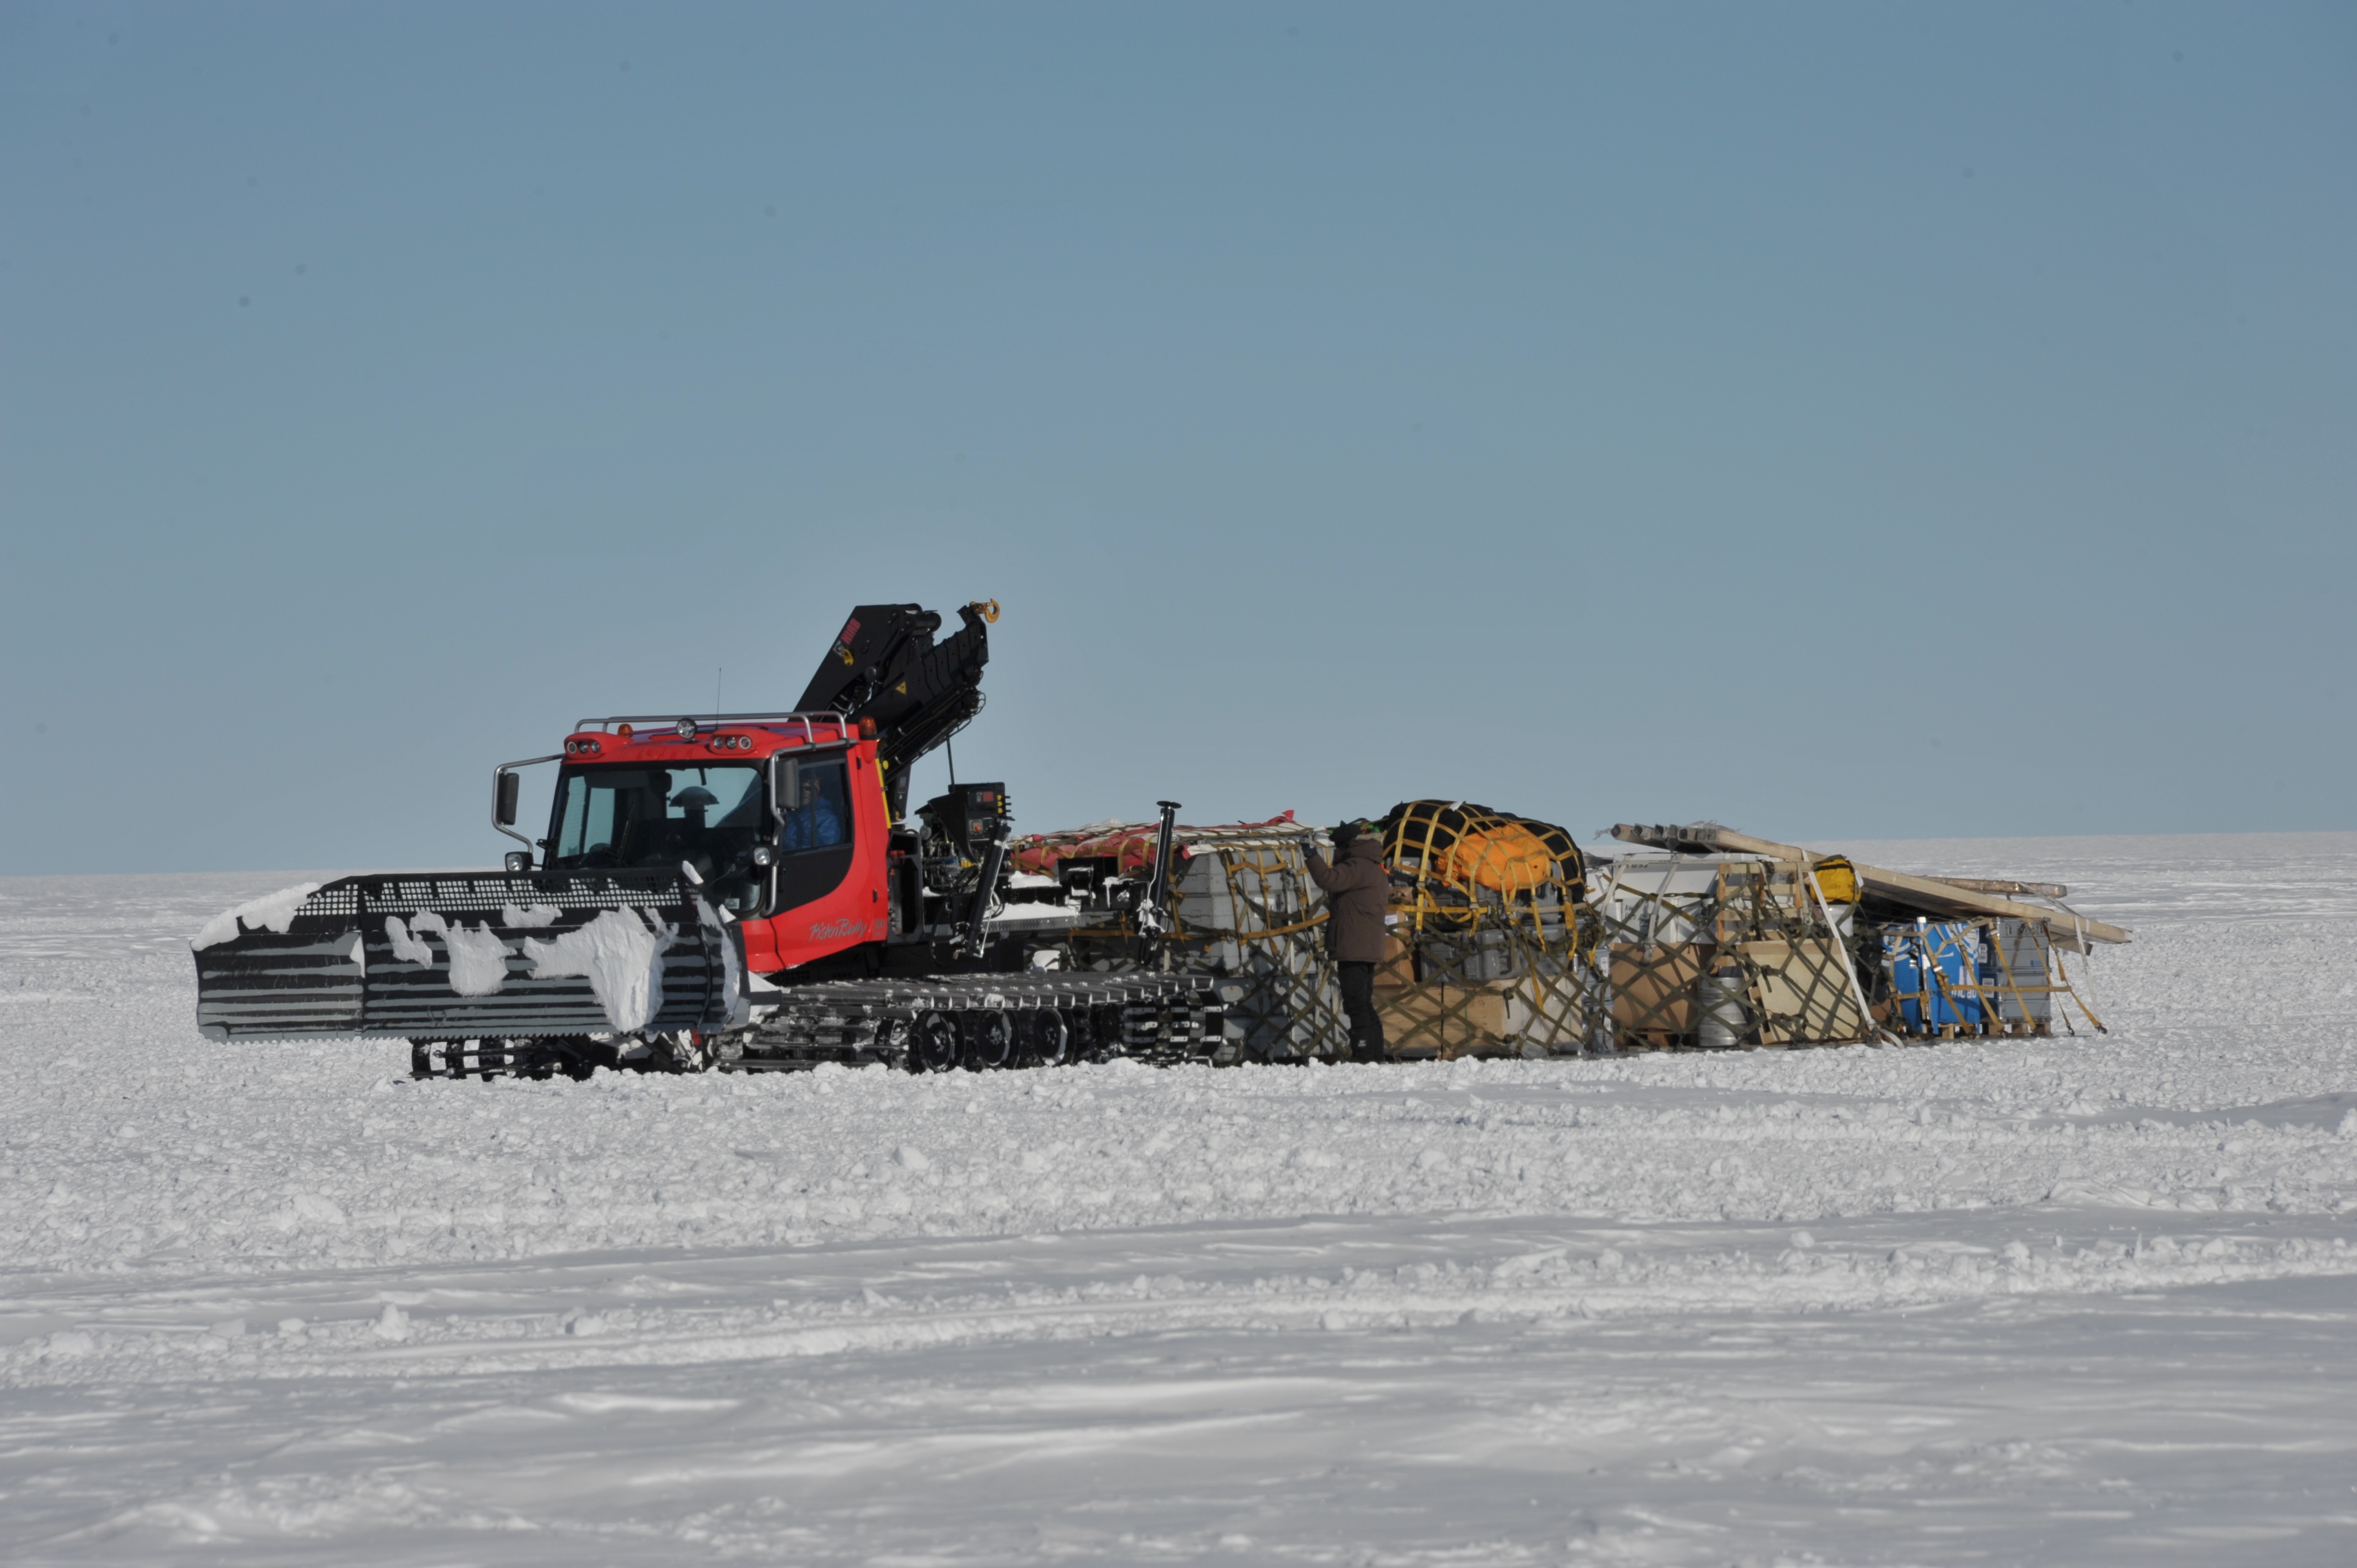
654 818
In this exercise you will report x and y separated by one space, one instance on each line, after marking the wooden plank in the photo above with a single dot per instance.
1803 995
1930 893
1964 901
2000 884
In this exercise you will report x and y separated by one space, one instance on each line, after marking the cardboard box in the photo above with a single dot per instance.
1398 967
1801 993
1655 991
1449 1018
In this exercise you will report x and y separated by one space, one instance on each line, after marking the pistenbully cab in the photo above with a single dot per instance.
743 891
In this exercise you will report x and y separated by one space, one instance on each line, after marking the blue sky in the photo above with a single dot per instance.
1868 421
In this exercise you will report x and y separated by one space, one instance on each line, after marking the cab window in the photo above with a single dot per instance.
655 818
816 812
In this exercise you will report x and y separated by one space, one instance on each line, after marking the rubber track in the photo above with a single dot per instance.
1148 1016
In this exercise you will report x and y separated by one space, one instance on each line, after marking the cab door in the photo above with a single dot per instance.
829 851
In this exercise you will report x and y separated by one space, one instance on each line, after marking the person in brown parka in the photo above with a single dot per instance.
1358 899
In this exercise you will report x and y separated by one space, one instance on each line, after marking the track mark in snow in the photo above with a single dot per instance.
1954 1303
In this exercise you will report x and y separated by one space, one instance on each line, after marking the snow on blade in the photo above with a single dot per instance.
528 916
274 911
406 948
621 955
478 959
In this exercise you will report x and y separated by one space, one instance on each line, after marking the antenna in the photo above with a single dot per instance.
717 709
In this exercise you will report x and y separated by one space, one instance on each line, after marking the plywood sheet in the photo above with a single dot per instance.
1800 992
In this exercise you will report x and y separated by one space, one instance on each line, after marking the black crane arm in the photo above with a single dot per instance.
886 666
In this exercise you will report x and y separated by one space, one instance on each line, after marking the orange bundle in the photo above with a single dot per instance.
1459 845
1508 857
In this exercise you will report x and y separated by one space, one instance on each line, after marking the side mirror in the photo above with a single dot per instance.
510 791
764 856
785 785
519 859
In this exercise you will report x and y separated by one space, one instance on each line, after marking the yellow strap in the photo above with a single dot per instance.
2074 990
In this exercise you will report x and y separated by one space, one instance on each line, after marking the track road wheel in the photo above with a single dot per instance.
989 1040
933 1047
578 1057
1080 1038
1106 1040
1047 1039
421 1058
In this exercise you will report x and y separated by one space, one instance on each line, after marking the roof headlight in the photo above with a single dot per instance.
686 728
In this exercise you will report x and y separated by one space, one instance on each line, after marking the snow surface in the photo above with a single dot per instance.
2069 1300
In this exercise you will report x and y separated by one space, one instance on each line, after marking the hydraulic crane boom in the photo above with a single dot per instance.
886 666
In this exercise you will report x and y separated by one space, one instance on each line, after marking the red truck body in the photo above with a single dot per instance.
858 911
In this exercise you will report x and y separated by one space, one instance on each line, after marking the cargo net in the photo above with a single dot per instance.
1951 979
1242 906
1722 953
1493 948
1245 906
1716 953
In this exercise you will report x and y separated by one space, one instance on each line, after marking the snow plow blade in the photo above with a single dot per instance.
432 956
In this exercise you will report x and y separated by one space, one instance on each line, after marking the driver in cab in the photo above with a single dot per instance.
813 824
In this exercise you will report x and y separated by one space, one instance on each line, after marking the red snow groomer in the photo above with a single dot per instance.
743 891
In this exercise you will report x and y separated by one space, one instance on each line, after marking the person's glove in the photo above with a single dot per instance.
1310 843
